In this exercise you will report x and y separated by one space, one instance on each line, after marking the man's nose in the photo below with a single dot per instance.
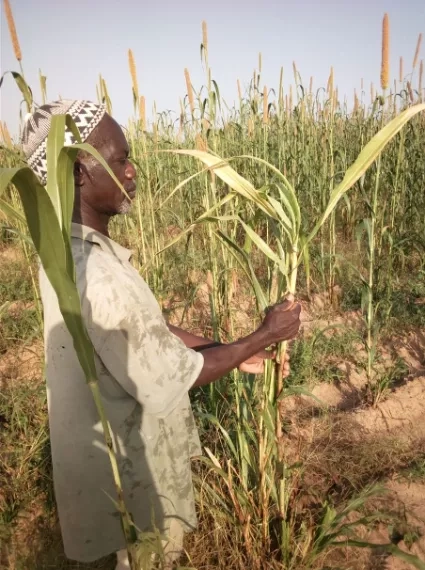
130 171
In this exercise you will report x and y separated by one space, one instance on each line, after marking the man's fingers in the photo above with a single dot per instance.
252 367
255 364
263 355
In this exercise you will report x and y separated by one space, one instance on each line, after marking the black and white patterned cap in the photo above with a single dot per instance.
86 115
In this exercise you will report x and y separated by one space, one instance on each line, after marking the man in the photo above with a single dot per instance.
145 367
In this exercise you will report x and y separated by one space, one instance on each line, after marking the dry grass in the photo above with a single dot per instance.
338 460
341 458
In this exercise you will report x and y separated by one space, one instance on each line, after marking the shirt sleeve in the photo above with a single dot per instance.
131 337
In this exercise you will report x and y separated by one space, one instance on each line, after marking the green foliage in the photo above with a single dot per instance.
305 199
320 356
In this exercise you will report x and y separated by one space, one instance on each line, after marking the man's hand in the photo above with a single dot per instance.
282 321
255 364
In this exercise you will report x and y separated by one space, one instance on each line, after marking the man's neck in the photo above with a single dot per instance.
95 221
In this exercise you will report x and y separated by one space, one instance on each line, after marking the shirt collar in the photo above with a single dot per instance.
88 234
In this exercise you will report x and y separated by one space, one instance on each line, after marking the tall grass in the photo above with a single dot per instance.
269 207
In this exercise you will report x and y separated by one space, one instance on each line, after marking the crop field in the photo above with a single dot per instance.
281 192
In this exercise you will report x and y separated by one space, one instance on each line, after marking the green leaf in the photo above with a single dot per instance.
245 263
22 236
22 85
206 216
367 156
288 197
364 226
10 212
285 189
305 258
70 123
284 220
91 150
262 246
181 184
289 190
390 548
217 93
43 85
48 240
6 177
366 298
298 391
66 184
230 177
55 141
214 420
47 237
4 307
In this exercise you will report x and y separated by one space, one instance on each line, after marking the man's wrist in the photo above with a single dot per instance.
261 337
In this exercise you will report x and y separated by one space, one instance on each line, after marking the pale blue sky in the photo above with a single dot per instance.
73 41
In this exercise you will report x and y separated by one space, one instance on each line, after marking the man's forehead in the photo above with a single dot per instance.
110 126
110 135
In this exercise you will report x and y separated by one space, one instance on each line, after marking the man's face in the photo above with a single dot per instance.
99 191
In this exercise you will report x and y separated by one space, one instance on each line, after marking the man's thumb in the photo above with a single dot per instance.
288 302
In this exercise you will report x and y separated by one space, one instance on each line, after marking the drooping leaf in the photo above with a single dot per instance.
217 93
286 223
389 548
264 247
22 85
367 156
285 187
245 263
47 237
203 218
228 175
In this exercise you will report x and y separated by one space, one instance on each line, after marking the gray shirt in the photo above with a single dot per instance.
145 373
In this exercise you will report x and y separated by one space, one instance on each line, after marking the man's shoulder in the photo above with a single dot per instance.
93 262
102 275
84 250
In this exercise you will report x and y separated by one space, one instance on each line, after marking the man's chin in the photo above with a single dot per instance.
125 207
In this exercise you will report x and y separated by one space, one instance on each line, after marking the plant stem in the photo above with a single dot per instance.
127 523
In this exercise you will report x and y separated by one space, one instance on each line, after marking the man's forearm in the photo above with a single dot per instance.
220 360
192 341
